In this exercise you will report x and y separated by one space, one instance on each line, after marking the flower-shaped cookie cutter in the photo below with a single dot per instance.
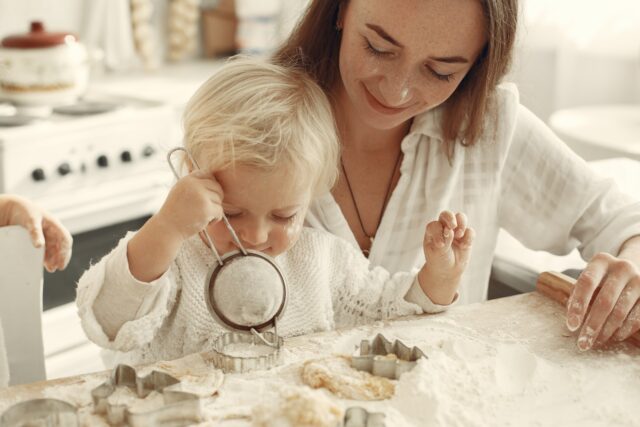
229 363
36 412
357 416
383 358
180 407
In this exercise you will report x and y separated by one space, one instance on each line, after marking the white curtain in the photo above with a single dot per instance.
578 52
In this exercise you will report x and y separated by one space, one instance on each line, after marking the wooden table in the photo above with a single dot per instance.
531 320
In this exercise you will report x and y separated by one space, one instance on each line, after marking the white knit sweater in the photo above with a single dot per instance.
330 285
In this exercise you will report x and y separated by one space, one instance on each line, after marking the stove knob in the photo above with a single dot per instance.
64 169
103 161
38 174
125 156
148 151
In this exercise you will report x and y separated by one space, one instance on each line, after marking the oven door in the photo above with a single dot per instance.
88 248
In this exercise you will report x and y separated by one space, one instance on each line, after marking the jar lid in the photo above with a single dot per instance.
38 37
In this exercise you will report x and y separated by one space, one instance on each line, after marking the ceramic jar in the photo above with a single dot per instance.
43 68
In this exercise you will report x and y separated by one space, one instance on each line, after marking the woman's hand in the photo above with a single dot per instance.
447 246
43 228
612 286
193 202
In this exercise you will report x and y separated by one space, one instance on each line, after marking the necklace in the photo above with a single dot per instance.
384 202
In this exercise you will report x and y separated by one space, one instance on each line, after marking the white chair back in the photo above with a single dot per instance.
21 305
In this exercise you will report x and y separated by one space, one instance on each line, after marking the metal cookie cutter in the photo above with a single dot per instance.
180 407
357 416
238 364
241 333
40 412
385 359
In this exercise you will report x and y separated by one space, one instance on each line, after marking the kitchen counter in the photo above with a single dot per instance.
172 84
600 131
487 361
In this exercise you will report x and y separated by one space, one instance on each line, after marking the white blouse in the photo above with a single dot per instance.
519 176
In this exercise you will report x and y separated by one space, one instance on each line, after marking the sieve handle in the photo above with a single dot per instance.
224 217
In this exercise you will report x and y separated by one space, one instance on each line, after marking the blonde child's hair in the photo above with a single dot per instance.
266 116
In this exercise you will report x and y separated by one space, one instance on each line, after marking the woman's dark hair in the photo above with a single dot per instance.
314 45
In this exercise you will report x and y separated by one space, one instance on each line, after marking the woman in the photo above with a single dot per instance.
426 126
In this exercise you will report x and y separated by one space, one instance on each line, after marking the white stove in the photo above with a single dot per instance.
92 171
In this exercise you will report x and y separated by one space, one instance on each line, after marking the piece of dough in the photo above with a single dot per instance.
298 407
336 375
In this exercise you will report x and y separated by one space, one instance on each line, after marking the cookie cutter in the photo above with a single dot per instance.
180 407
383 358
239 364
40 412
357 416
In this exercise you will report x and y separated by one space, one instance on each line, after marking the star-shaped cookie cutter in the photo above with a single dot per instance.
383 358
180 407
357 416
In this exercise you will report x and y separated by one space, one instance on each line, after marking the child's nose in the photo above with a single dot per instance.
255 234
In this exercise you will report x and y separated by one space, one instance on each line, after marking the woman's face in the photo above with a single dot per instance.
401 58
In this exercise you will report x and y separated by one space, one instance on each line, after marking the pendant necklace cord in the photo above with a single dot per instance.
384 203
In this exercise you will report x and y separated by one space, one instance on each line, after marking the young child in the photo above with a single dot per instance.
265 141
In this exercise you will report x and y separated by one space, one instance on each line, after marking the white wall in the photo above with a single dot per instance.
58 15
572 53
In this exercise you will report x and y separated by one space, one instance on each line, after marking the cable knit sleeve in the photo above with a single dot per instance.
117 311
361 294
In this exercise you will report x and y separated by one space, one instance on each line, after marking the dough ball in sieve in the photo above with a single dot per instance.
248 291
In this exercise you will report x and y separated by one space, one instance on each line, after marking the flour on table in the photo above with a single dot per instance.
196 375
471 384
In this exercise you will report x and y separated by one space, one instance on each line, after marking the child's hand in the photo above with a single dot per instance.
43 229
193 202
447 244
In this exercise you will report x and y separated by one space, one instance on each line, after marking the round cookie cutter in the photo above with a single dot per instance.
239 333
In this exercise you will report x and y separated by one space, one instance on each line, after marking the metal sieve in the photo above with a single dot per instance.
239 259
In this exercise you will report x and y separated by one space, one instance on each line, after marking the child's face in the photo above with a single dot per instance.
266 209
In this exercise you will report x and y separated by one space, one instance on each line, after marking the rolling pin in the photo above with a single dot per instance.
558 286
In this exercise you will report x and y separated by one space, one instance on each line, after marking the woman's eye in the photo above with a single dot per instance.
375 52
441 77
231 214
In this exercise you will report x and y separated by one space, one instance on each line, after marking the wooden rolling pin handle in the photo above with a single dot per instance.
558 286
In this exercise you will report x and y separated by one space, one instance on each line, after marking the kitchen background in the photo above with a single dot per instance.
105 173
